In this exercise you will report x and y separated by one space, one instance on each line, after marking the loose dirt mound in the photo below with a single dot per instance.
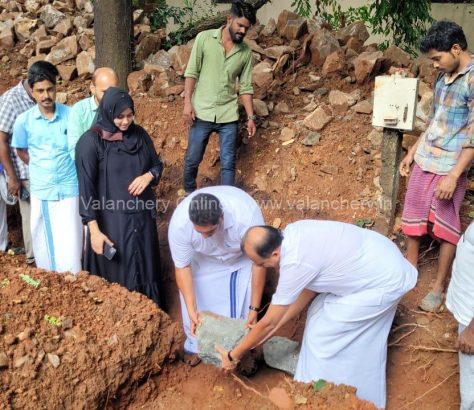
71 342
206 387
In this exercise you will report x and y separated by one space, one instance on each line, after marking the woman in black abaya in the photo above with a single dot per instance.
117 165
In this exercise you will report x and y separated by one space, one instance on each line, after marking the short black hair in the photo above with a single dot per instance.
271 241
442 36
240 8
205 210
40 71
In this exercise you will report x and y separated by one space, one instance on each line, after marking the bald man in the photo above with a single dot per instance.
359 277
83 113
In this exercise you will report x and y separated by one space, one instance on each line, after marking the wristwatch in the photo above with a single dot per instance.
252 117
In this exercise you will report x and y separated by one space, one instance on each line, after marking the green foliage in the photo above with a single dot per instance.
53 320
28 279
301 7
159 16
402 23
319 385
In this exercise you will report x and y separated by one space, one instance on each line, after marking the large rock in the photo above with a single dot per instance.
317 120
65 50
397 56
85 64
341 101
86 40
311 139
7 35
426 70
80 22
335 63
32 6
254 46
281 108
366 64
45 46
423 108
179 57
356 29
40 33
157 63
317 23
67 72
375 137
174 90
354 44
160 85
269 28
262 74
215 329
322 45
64 26
276 52
24 26
363 107
149 44
281 353
290 25
260 108
50 16
139 81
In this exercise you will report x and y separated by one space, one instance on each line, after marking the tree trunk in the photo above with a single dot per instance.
185 34
113 30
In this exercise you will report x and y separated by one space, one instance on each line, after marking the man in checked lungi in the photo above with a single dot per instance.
442 155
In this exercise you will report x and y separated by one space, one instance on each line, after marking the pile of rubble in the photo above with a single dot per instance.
62 33
285 47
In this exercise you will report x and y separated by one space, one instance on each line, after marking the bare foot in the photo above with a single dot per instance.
191 359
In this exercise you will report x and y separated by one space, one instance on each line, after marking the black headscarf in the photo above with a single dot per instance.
114 102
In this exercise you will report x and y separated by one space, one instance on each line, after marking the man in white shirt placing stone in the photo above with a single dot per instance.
359 276
212 273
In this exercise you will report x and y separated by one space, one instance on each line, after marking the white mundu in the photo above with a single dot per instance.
56 231
221 272
360 277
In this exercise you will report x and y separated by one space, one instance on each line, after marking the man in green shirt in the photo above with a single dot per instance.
218 59
83 113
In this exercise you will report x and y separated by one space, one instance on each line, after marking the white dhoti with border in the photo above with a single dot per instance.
56 231
222 289
345 341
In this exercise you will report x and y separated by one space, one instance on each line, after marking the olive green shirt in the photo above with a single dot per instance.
215 95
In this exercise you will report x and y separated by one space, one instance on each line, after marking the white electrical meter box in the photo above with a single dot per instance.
395 99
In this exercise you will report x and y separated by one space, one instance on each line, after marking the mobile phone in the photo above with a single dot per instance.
109 251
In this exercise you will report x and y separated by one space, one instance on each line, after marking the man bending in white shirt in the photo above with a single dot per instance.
212 273
360 277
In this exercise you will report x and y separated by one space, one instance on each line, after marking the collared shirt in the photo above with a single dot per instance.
452 123
12 104
341 259
215 95
223 247
81 117
461 286
52 170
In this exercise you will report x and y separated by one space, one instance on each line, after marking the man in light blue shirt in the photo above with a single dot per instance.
40 139
83 114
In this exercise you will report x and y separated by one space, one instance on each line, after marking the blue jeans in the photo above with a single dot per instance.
198 139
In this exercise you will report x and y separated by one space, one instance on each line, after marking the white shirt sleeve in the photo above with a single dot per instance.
180 245
294 277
